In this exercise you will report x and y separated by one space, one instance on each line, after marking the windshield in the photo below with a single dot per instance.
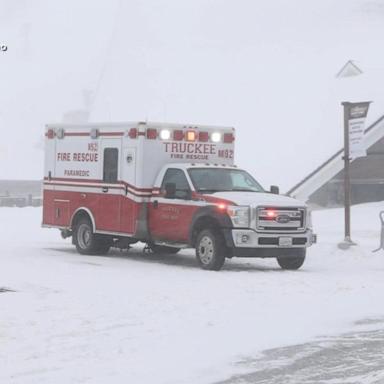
210 180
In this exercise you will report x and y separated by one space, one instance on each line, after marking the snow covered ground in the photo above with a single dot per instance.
138 318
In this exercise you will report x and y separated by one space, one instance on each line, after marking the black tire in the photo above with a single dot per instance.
211 250
87 242
102 247
292 259
163 249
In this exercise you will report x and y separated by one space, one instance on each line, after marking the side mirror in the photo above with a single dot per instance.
170 190
275 189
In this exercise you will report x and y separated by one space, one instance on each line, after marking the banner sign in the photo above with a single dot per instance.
356 113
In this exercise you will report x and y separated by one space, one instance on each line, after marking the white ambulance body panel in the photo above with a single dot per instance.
76 151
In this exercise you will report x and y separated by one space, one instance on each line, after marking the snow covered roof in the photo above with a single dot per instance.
333 165
349 69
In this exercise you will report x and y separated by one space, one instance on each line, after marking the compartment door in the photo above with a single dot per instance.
61 212
110 194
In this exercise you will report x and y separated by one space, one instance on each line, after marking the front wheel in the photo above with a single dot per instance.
292 259
211 250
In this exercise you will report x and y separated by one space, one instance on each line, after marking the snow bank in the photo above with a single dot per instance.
137 318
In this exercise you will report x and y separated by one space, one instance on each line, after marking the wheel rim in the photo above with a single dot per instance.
84 235
206 250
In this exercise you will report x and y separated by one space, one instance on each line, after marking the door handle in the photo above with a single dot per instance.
155 204
105 189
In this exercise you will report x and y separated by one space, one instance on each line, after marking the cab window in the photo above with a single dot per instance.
178 178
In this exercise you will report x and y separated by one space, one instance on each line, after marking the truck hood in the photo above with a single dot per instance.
257 198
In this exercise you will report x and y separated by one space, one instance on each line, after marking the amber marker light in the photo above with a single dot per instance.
190 135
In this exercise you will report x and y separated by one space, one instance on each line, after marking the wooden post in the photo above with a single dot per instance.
347 177
354 118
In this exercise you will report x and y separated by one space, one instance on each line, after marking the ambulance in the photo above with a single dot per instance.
170 186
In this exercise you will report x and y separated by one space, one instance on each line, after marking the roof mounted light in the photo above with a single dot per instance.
203 136
165 134
216 137
60 133
94 133
178 135
190 136
151 133
50 133
132 133
228 138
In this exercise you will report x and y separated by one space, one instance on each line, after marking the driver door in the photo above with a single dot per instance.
170 214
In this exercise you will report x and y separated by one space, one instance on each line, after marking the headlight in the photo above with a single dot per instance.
309 218
239 216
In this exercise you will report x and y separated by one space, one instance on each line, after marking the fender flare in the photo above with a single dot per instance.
210 212
88 212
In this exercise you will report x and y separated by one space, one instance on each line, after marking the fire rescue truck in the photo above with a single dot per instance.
171 186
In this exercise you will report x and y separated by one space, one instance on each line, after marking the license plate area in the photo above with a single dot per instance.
285 241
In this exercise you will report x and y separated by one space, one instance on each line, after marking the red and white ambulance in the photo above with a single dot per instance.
170 186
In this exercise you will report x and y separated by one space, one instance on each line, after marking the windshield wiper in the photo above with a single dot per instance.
203 190
243 189
206 190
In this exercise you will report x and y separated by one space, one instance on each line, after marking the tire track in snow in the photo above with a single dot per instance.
352 358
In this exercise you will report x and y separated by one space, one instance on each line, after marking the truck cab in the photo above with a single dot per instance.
223 212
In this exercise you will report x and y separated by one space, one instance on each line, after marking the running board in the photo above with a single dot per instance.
173 245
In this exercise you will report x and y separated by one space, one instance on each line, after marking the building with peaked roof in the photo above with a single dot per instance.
349 69
324 186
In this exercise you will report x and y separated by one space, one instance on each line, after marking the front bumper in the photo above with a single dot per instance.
248 238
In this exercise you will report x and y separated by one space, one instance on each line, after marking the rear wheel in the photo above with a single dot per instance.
292 259
211 250
87 242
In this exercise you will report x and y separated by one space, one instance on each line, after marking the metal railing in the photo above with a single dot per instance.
381 246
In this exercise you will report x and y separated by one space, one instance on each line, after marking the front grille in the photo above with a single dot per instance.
280 219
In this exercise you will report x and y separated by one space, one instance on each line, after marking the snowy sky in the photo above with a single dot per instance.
267 68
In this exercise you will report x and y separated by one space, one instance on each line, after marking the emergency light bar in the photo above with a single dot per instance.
188 135
191 135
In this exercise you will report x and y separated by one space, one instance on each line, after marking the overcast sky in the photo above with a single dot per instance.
265 67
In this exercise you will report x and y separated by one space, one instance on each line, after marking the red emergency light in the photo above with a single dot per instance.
151 133
203 136
228 138
178 135
271 213
50 133
132 133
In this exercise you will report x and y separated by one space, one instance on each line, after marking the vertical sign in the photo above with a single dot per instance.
356 122
354 119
